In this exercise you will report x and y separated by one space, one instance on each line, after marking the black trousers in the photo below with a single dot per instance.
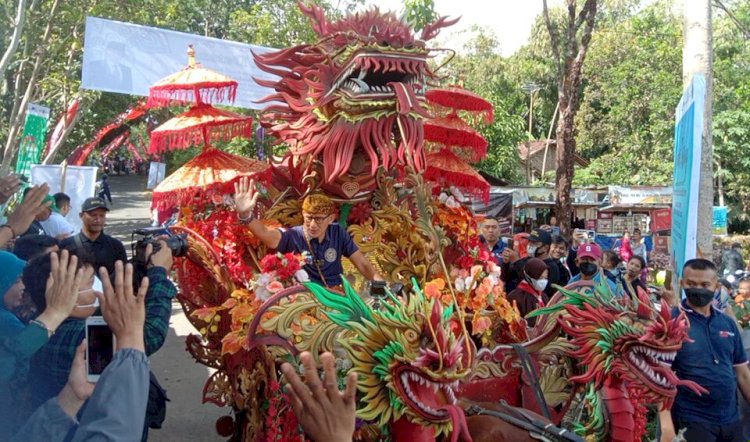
705 432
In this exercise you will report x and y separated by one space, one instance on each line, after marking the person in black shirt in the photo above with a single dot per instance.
539 246
92 243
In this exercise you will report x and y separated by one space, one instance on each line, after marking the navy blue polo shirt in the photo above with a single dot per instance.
709 361
497 250
327 253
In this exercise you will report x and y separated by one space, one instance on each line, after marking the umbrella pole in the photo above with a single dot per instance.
206 139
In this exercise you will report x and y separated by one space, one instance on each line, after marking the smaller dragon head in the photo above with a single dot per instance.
625 338
408 357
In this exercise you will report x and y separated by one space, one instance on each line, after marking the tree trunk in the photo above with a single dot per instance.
569 54
564 156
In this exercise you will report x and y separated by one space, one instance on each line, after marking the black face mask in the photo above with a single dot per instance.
699 297
588 268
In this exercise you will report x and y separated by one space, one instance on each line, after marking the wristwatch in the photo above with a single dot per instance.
44 326
245 220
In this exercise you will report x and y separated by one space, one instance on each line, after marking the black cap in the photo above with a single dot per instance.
93 203
540 235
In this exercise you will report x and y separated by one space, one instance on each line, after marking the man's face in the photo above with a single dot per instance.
553 221
699 279
491 230
316 224
540 249
558 251
64 209
94 220
14 296
744 288
636 235
44 215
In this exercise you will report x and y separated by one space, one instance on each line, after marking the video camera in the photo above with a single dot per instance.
177 243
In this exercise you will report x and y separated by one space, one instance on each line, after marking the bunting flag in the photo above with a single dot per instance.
66 119
32 141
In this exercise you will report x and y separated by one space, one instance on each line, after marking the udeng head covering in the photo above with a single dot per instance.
317 203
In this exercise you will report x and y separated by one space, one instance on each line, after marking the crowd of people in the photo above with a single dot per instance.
51 283
55 278
714 357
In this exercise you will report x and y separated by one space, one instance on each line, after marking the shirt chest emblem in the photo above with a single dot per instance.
726 334
330 254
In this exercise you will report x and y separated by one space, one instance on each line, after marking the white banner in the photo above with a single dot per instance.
80 183
156 172
128 58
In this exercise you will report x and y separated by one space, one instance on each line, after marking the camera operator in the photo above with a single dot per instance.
91 243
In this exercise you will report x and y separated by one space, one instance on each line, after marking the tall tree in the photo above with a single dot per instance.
569 52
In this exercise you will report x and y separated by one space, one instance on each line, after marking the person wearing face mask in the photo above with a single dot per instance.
539 245
588 260
50 367
529 295
714 358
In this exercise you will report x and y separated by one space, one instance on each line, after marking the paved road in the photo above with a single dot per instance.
182 377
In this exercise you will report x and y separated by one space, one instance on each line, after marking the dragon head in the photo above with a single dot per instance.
625 338
408 357
354 97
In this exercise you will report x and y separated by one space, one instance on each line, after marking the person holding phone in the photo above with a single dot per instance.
51 365
326 242
126 378
15 351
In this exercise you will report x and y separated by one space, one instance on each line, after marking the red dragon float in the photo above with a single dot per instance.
352 109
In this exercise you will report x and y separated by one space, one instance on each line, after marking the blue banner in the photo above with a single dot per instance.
687 159
720 220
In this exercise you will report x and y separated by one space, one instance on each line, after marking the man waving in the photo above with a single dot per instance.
325 241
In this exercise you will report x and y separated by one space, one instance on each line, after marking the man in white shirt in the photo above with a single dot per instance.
56 225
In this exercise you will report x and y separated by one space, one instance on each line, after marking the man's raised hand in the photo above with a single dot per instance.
245 197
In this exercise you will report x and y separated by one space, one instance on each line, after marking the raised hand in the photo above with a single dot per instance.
123 310
245 197
325 413
9 185
21 218
62 289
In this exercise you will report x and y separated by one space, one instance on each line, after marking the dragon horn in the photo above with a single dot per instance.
316 14
348 308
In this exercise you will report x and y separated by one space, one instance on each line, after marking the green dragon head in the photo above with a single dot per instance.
408 357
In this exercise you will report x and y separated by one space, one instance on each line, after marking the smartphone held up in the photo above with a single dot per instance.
100 347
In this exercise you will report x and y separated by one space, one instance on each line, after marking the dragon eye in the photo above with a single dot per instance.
411 336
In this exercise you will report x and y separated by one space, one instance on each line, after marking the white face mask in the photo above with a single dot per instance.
539 284
531 251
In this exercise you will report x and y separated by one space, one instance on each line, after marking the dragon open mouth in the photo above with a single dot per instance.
372 77
427 397
653 367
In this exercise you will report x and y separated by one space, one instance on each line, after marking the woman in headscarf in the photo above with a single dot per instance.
11 287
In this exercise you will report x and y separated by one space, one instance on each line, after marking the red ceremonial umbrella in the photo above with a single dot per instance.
451 131
213 172
193 84
458 98
199 125
447 169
